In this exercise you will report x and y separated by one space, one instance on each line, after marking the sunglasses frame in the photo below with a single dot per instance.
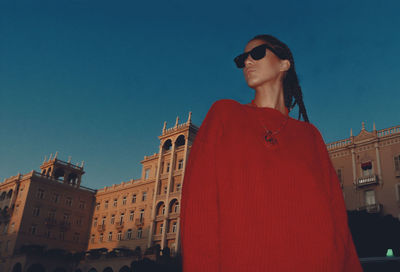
239 60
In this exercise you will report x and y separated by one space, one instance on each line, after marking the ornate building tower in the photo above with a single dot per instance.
173 153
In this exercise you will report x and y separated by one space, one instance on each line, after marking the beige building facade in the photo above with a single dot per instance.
368 166
48 208
145 212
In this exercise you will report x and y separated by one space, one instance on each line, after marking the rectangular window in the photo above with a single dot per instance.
97 206
55 198
115 202
112 219
106 204
180 164
168 165
95 222
101 237
397 163
134 198
76 237
174 227
397 190
146 173
119 236
124 200
110 236
366 168
370 197
131 214
178 187
129 234
40 194
33 230
36 211
81 204
92 239
68 201
144 196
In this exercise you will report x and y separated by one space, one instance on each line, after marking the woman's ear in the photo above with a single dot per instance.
284 65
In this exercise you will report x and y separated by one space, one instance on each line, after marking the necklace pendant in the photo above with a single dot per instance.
269 139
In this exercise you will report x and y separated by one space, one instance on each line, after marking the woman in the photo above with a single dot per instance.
260 192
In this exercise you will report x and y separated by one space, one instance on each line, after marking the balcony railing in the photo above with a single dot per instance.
65 225
119 225
50 222
101 227
363 181
139 222
372 208
157 237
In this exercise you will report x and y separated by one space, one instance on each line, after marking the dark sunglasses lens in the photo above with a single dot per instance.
239 60
258 52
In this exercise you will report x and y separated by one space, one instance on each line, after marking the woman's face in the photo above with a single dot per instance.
269 68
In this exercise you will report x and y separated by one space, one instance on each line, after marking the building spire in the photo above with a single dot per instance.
164 127
45 158
351 132
362 126
82 164
55 156
189 118
177 121
374 127
51 155
69 159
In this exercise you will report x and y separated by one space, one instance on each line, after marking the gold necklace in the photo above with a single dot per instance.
269 136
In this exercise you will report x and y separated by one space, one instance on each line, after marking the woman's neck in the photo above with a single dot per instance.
270 95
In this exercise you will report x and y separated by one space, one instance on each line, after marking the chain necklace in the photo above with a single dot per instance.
269 136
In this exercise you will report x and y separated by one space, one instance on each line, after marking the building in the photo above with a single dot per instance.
368 166
48 208
145 212
52 208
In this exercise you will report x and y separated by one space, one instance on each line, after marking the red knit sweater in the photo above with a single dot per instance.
247 206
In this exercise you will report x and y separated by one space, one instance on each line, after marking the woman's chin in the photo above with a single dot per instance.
252 84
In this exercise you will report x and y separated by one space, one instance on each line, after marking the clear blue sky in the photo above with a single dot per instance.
95 80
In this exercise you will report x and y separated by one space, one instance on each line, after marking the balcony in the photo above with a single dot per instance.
101 228
364 181
119 225
50 222
65 225
139 222
171 235
157 237
372 208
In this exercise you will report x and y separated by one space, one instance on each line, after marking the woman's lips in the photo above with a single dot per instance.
249 71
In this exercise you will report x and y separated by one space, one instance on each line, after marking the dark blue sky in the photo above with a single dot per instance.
95 80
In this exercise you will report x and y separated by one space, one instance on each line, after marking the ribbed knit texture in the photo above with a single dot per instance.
247 206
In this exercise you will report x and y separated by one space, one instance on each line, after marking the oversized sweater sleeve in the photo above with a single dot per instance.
200 207
351 260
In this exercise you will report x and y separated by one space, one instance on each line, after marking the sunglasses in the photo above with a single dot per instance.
256 53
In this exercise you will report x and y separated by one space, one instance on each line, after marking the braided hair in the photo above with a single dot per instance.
291 86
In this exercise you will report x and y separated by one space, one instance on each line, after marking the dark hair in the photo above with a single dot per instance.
291 86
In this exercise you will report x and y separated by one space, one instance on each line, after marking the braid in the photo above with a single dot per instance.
291 87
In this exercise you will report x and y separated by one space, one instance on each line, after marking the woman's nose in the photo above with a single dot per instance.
248 61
